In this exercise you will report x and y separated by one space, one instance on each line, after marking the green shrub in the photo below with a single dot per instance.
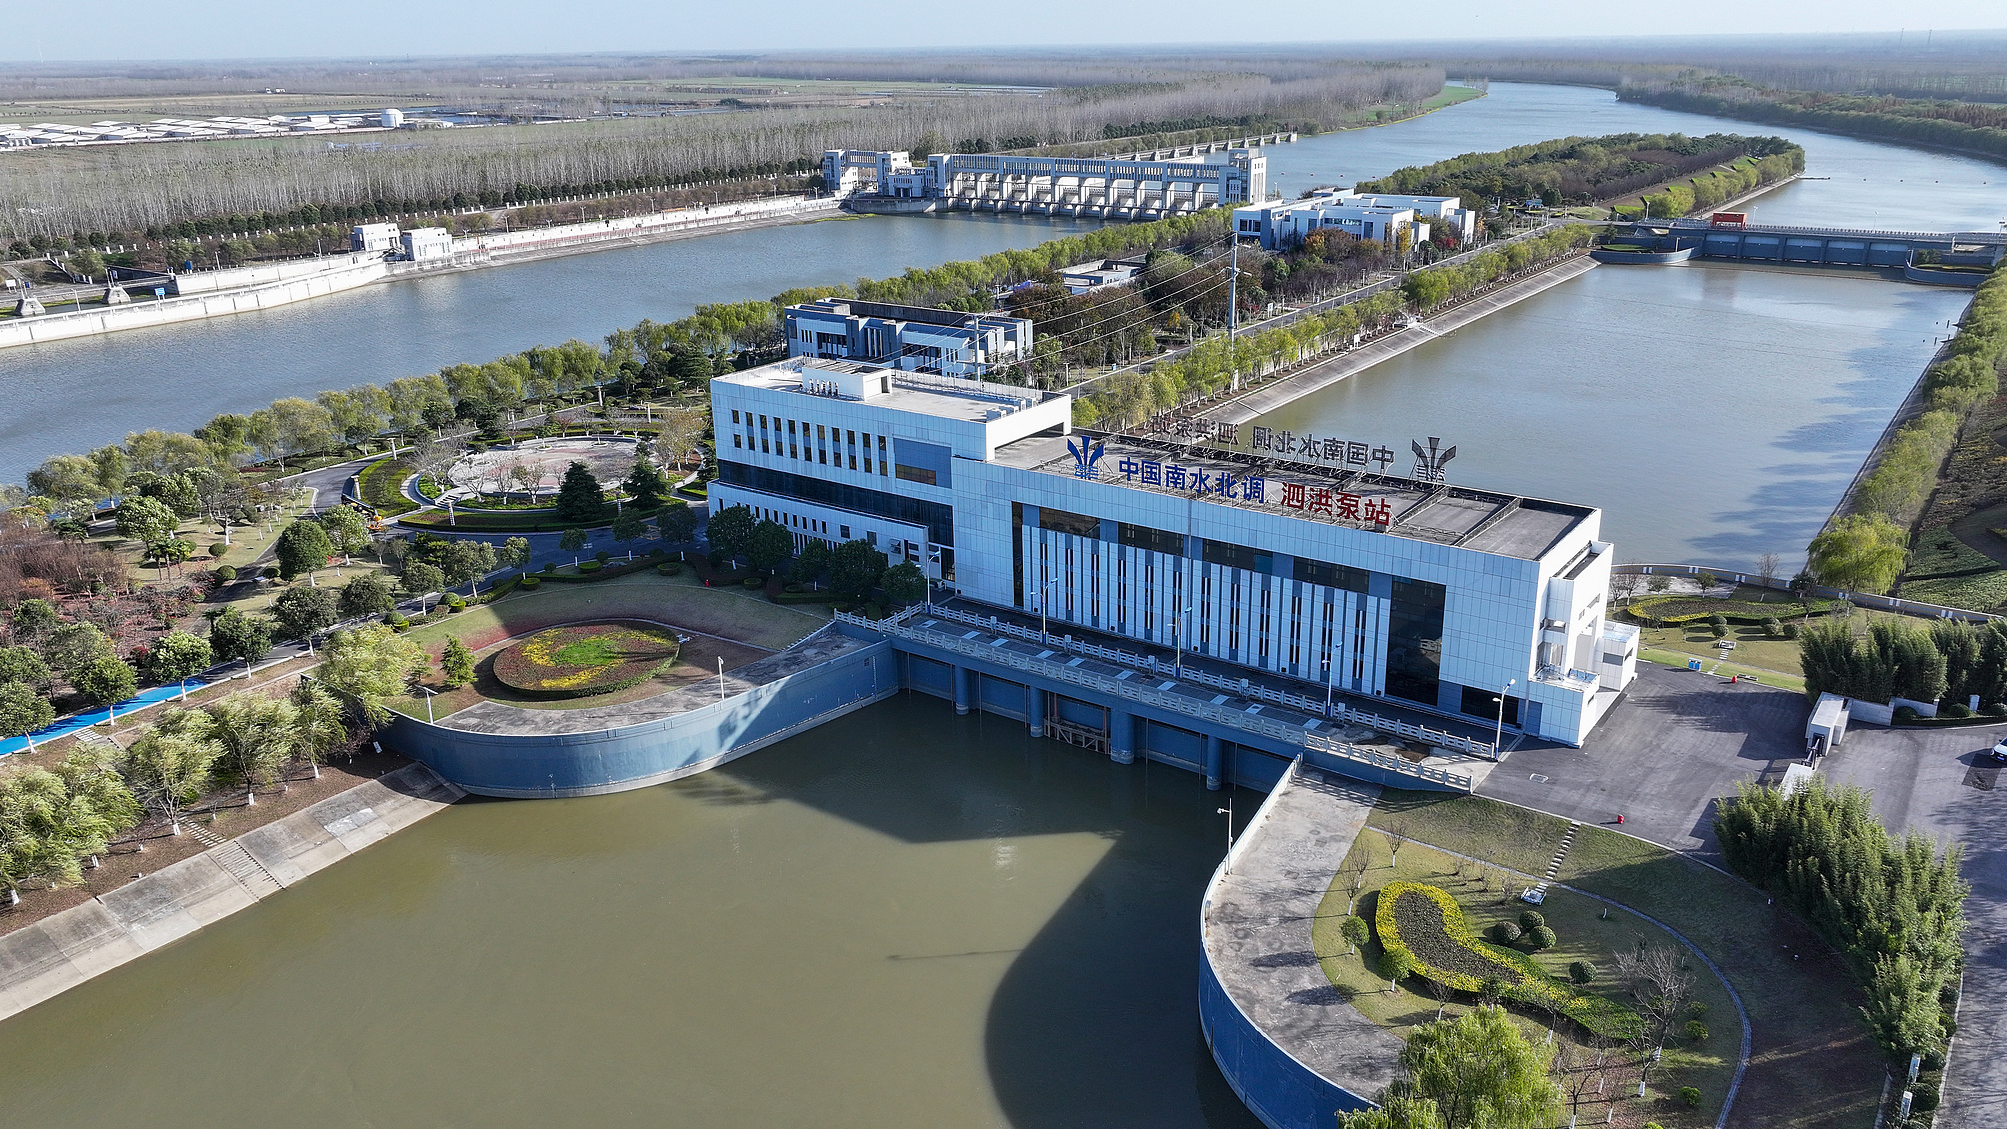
1925 1099
1718 630
602 556
1532 919
269 572
670 568
1581 971
1933 1059
456 602
1773 629
1955 709
550 566
1697 1008
1905 714
1541 937
1717 620
1505 932
1791 630
1690 1096
591 566
531 581
1696 1030
218 548
754 582
225 573
398 620
1994 709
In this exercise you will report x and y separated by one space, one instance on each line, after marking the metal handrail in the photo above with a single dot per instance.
1149 695
1340 711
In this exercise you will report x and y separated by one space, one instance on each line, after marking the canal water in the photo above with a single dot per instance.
906 919
73 395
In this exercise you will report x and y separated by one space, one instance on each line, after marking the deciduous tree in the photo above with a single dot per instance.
368 664
302 549
1480 1072
236 636
177 655
304 612
456 663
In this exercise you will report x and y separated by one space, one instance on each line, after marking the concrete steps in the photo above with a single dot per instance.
247 870
1538 893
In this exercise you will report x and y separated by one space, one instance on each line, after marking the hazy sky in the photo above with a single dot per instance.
227 29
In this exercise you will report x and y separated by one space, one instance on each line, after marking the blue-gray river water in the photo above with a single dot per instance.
906 918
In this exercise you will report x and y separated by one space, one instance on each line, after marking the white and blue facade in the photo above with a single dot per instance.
1280 224
919 338
1419 593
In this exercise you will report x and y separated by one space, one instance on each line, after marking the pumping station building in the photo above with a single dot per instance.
1322 568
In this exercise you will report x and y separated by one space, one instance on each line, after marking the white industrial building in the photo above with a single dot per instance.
916 338
1317 565
1137 186
1281 224
422 244
374 237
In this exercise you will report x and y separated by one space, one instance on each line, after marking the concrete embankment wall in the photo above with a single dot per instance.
544 765
310 279
630 229
64 950
1257 908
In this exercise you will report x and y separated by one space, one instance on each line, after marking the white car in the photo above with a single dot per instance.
2000 750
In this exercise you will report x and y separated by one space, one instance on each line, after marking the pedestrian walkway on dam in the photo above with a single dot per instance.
1208 673
1257 935
502 718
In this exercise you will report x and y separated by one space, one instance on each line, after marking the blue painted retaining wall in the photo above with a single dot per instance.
1282 1092
650 752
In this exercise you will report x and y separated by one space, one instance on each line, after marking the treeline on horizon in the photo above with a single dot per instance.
1974 126
129 188
1584 170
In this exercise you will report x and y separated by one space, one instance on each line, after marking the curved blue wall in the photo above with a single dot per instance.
1281 1091
650 752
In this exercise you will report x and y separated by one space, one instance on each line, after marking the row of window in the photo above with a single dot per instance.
815 443
1235 615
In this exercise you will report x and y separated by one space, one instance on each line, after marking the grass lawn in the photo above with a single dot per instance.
1450 95
1585 932
1811 1062
729 623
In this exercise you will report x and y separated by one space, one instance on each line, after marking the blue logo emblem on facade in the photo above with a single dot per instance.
1085 454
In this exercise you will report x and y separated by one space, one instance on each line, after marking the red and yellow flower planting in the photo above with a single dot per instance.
585 659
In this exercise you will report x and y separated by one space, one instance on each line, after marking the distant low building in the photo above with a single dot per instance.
370 237
915 338
393 119
426 243
1364 215
1128 187
1096 273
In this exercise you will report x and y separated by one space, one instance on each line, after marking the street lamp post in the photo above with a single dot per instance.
1327 687
429 693
1498 731
1178 643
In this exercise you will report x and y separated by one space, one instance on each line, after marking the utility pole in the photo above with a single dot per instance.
1232 299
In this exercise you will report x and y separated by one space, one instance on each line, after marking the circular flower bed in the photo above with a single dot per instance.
592 658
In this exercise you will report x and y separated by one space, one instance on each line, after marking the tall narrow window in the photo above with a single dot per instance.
792 452
853 448
764 449
883 470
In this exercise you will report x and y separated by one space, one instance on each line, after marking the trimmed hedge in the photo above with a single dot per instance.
1675 610
1456 957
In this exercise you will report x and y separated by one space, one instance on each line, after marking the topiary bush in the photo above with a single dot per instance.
530 581
754 582
1532 919
1581 971
1718 630
1773 629
1690 1095
225 573
1905 714
1505 932
602 556
670 569
269 572
550 566
1791 630
1540 937
1717 621
1994 709
1955 709
456 602
591 566
1696 1030
218 548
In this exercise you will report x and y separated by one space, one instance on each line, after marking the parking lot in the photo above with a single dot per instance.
1680 740
1676 742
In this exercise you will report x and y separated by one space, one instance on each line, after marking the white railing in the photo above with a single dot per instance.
1246 688
1289 735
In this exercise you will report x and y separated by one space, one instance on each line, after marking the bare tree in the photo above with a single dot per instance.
1661 983
1354 870
1766 566
1442 992
1396 831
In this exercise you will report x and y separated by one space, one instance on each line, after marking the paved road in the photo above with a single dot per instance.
1678 741
1673 744
1940 782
